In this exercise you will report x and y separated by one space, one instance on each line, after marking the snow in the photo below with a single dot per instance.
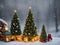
55 41
3 21
56 34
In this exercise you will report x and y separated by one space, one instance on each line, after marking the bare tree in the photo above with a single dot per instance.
2 4
55 15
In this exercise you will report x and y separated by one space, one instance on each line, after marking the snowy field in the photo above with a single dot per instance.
55 41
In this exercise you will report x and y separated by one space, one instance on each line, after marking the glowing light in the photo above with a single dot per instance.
19 39
15 11
12 37
30 7
26 39
6 28
36 38
7 39
33 40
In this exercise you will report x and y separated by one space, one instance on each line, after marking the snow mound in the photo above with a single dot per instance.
3 21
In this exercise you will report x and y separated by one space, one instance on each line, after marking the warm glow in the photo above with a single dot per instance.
30 7
6 28
33 40
36 38
12 37
26 39
15 11
7 39
19 39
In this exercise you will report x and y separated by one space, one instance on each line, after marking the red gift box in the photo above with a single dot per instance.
49 37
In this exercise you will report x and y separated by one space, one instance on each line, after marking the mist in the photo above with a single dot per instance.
43 12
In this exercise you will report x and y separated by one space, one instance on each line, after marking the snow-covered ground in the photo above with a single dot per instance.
55 41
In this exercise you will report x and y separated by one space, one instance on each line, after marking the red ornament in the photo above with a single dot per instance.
49 37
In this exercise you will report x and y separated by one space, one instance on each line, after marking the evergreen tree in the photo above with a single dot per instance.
30 28
43 36
15 25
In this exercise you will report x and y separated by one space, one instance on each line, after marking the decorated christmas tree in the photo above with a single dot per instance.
15 25
30 29
43 36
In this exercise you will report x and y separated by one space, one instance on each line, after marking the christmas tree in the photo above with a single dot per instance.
15 26
30 29
43 36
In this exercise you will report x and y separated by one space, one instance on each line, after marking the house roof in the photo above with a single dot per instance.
1 20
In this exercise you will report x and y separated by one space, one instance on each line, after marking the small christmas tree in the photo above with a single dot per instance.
43 36
15 26
30 29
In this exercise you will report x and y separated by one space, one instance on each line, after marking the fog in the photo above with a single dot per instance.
43 12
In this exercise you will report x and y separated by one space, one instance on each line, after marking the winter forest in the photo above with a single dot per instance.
45 12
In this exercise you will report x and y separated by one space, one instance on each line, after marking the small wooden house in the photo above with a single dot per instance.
3 26
3 30
5 34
